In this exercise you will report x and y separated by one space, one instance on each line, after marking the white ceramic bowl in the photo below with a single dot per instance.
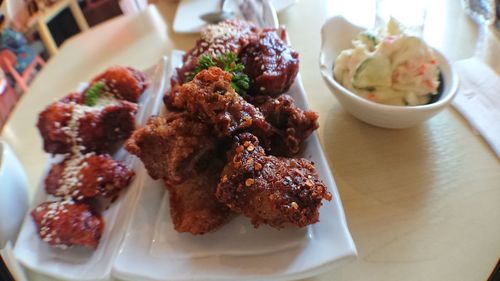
13 194
337 34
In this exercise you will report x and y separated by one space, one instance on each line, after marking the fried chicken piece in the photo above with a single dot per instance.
171 146
66 223
124 83
74 97
87 176
193 206
271 64
291 124
216 40
270 190
62 125
210 97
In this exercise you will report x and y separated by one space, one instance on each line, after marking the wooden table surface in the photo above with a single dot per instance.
421 203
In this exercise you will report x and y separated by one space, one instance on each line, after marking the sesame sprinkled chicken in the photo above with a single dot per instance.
79 126
64 224
63 125
124 83
229 36
87 176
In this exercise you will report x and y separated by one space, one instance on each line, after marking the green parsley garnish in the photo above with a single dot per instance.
229 63
93 93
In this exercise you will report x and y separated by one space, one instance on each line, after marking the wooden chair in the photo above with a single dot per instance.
7 62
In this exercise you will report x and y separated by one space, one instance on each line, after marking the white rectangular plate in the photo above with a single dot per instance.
153 250
77 263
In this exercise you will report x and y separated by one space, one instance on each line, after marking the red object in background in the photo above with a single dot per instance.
7 62
8 100
97 11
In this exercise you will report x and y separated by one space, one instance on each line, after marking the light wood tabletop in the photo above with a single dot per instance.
421 203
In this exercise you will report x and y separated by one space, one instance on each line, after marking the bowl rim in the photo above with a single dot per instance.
444 63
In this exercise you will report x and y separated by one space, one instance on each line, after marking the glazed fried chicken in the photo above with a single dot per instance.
171 146
216 40
270 190
291 124
65 223
193 206
210 97
63 125
125 83
87 176
271 64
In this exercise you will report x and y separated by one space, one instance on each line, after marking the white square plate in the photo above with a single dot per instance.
187 17
82 264
153 250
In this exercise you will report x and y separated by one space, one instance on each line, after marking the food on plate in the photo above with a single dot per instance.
94 128
271 190
268 65
389 67
87 176
291 125
231 86
271 64
182 150
125 83
64 224
193 206
229 36
84 127
210 97
171 147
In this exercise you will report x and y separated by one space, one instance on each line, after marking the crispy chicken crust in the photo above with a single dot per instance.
291 125
270 190
210 97
193 206
170 147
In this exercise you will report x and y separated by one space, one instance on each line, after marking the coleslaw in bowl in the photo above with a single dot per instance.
337 35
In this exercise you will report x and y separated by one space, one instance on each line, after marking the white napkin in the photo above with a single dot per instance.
478 99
